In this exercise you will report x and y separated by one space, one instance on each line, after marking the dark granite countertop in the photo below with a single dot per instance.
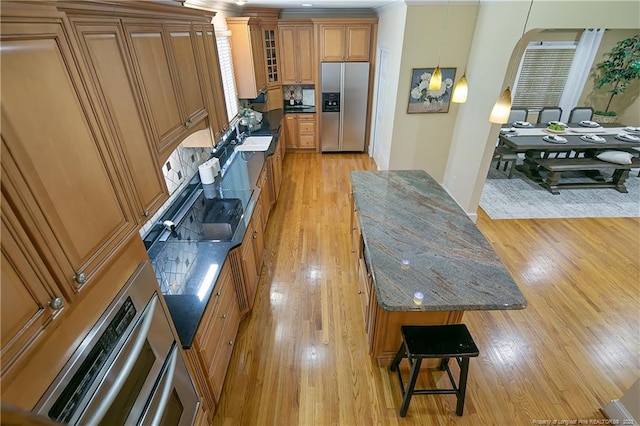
188 271
418 239
299 109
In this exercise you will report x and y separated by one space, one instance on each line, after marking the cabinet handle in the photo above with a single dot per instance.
56 303
230 342
255 235
145 213
359 291
218 294
80 278
224 316
187 123
353 251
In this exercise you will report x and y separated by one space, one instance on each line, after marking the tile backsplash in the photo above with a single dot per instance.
178 170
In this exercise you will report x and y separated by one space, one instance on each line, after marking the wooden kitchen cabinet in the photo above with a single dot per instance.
345 41
300 131
211 351
296 53
211 79
103 46
275 167
164 60
273 69
57 169
31 301
266 197
248 56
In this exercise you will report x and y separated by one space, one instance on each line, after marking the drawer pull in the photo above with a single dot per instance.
56 304
217 294
230 342
80 278
224 316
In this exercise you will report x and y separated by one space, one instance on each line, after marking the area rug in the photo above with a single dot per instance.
522 198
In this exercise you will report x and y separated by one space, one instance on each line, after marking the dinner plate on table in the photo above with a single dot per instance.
628 137
588 123
631 129
522 124
508 131
559 123
554 139
593 138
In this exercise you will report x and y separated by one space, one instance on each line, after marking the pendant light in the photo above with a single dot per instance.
435 82
461 89
502 108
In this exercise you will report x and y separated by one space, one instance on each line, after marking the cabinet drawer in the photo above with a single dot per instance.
306 126
225 349
307 141
218 321
364 289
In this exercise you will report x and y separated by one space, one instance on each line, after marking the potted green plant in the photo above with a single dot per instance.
620 67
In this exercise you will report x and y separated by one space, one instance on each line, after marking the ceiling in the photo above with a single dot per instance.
233 5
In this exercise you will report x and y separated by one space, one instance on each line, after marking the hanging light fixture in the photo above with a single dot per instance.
435 82
502 108
461 89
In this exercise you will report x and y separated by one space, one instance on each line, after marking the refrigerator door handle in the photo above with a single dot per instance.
340 138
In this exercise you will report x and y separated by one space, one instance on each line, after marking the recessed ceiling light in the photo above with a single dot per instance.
306 5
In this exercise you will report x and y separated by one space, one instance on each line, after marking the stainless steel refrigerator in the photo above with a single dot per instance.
344 87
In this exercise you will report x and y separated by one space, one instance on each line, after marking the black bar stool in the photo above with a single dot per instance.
435 341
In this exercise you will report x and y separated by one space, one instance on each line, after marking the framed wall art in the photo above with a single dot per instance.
421 99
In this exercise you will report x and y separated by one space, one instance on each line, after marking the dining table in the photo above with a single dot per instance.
530 141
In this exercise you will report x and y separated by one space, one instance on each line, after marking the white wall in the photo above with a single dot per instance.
391 22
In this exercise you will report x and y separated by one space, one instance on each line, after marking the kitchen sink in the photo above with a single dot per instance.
255 143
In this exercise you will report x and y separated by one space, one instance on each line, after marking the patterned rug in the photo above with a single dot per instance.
522 198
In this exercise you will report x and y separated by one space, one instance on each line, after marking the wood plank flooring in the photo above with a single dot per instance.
301 357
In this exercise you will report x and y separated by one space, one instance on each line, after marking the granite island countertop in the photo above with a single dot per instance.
418 239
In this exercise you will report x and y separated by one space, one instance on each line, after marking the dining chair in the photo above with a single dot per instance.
518 114
547 114
579 114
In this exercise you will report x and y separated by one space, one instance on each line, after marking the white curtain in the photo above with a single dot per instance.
582 62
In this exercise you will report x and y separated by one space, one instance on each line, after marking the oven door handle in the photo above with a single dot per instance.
122 376
168 385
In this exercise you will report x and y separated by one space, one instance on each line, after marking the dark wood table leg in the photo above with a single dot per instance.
529 166
619 177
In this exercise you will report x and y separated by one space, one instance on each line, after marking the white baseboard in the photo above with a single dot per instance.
473 217
616 410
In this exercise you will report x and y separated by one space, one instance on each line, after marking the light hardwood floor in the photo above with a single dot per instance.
301 356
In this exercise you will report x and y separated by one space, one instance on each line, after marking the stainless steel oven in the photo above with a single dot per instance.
128 370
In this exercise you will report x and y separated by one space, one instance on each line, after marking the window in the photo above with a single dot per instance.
228 79
543 74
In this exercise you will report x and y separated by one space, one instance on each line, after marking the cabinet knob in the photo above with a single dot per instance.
230 342
80 278
56 303
218 294
187 123
224 316
359 291
145 213
255 235
353 251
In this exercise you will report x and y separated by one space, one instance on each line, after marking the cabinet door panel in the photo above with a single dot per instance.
105 51
288 52
291 130
211 49
358 40
26 290
305 52
332 43
183 51
151 58
59 161
258 55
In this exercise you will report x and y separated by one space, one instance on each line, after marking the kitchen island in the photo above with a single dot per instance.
419 258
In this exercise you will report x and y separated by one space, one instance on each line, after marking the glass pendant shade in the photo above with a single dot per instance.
461 91
435 82
502 108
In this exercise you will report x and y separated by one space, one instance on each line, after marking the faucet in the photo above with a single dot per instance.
241 137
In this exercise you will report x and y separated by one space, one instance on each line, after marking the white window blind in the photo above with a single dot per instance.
228 79
543 74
